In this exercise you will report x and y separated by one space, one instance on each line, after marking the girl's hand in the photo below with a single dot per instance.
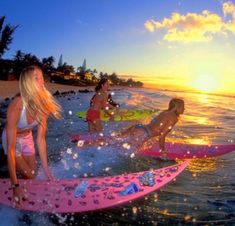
111 117
50 177
18 196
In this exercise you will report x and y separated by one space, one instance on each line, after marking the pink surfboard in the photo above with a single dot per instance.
89 194
175 150
187 151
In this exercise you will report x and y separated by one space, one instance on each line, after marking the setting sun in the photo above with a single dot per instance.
205 83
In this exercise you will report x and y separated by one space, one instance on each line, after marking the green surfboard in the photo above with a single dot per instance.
122 114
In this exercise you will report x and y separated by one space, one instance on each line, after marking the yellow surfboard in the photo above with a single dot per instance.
122 114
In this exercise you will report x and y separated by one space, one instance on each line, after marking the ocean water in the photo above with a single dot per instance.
203 194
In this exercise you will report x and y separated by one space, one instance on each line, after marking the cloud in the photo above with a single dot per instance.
229 10
194 27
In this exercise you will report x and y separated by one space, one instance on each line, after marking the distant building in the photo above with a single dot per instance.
70 75
58 74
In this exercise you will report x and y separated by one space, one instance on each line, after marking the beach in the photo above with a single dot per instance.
10 88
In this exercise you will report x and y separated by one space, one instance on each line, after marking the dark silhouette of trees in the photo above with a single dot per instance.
114 79
5 40
5 36
48 65
81 72
22 60
18 63
65 68
64 73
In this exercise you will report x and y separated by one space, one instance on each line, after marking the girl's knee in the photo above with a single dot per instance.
29 174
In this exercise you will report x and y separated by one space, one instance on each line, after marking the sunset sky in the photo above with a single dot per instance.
188 43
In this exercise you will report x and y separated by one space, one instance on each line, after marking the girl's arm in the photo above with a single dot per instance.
112 102
102 101
11 131
11 143
167 127
41 143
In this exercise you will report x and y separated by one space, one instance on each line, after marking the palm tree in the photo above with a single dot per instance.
47 64
18 63
65 68
114 78
81 72
19 56
5 36
22 60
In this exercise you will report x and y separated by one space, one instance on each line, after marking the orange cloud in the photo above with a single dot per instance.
194 27
149 25
229 9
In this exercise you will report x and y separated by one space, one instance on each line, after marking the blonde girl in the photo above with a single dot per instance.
30 108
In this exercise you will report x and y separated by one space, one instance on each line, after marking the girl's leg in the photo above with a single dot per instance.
25 156
95 126
26 165
90 126
127 132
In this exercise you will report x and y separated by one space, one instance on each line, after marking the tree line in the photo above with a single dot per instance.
62 73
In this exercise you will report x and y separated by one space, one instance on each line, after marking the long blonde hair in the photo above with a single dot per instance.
38 101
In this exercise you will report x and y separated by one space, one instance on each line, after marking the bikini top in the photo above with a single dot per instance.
22 124
110 101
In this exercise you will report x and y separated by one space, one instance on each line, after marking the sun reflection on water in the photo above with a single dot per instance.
196 119
203 98
193 140
203 165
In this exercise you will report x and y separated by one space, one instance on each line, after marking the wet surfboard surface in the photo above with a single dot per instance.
174 150
88 194
186 151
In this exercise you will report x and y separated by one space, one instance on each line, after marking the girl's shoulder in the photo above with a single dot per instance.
101 95
163 114
16 103
96 97
167 116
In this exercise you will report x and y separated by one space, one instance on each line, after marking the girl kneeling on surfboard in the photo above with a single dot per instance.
30 108
100 101
160 126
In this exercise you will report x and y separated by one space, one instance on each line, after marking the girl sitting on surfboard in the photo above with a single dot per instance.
160 126
30 108
100 101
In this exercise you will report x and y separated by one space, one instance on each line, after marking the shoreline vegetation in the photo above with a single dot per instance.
63 73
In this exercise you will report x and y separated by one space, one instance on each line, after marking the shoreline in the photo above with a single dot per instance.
9 89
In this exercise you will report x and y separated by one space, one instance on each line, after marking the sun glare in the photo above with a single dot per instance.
205 83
